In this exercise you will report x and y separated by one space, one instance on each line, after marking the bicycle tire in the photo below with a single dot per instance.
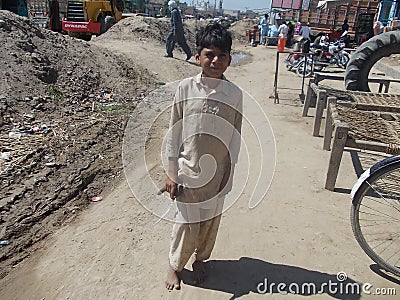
376 204
300 69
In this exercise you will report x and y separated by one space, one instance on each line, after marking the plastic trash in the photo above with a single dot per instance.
97 199
4 243
5 155
14 135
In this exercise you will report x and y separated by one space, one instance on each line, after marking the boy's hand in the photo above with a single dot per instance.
171 187
172 177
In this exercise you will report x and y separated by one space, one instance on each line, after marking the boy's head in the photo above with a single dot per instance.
213 46
213 35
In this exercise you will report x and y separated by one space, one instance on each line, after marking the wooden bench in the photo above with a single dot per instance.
344 132
320 94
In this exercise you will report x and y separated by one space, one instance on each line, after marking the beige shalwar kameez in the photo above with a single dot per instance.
205 139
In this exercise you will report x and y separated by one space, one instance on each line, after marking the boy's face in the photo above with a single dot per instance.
213 61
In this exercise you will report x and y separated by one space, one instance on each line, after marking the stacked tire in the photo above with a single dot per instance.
364 58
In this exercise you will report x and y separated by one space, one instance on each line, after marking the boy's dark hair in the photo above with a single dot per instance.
213 35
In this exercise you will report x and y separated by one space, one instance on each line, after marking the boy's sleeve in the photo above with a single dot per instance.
234 146
174 136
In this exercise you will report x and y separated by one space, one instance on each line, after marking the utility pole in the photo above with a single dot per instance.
215 6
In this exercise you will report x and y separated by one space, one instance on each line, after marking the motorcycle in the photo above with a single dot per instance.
294 59
325 54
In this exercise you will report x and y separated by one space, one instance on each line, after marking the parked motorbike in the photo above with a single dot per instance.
325 54
294 59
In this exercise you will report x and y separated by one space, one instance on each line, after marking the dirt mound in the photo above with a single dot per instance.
141 28
239 28
64 104
63 107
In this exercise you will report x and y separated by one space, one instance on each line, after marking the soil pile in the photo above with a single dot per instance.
64 104
63 107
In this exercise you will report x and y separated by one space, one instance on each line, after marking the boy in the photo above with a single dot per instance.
202 148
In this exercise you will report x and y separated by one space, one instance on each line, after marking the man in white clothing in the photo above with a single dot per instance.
305 31
283 30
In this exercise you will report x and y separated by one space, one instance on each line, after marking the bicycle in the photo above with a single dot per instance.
375 213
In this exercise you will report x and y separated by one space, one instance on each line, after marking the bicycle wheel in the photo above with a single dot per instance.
375 217
307 70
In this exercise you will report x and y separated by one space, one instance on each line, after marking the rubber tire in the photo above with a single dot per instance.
362 60
347 59
300 69
85 37
354 217
106 22
109 21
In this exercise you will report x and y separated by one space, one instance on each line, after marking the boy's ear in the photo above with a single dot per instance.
197 58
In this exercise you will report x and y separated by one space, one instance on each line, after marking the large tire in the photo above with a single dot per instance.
82 36
362 60
344 59
106 22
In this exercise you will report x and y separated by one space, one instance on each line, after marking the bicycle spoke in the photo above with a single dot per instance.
377 217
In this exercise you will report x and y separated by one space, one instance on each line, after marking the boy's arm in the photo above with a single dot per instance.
173 143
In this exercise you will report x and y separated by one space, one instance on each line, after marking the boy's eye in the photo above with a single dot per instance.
221 56
210 55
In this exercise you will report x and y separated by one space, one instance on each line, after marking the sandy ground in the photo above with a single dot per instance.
299 233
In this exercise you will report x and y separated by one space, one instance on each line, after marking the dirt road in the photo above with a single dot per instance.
300 233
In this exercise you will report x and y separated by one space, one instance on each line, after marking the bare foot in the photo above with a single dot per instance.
173 281
199 272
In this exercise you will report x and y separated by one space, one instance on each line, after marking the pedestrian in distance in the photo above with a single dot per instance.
297 28
283 30
176 35
305 31
345 25
202 147
264 26
290 35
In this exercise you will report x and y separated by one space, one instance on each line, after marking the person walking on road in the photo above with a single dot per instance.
283 30
264 26
176 35
305 31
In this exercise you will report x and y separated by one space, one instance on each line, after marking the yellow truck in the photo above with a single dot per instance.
83 18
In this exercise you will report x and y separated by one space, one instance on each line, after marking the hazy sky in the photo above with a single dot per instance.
243 4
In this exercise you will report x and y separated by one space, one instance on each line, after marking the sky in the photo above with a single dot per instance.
244 4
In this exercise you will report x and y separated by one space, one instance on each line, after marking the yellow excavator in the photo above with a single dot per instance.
83 18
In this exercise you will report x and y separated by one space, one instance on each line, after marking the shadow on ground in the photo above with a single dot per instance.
250 275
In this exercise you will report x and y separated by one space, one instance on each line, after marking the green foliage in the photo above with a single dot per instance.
53 92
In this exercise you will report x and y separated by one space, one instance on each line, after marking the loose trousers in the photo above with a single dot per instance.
170 44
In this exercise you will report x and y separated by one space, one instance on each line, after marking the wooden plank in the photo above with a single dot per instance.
373 146
329 122
371 107
321 102
309 95
339 142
